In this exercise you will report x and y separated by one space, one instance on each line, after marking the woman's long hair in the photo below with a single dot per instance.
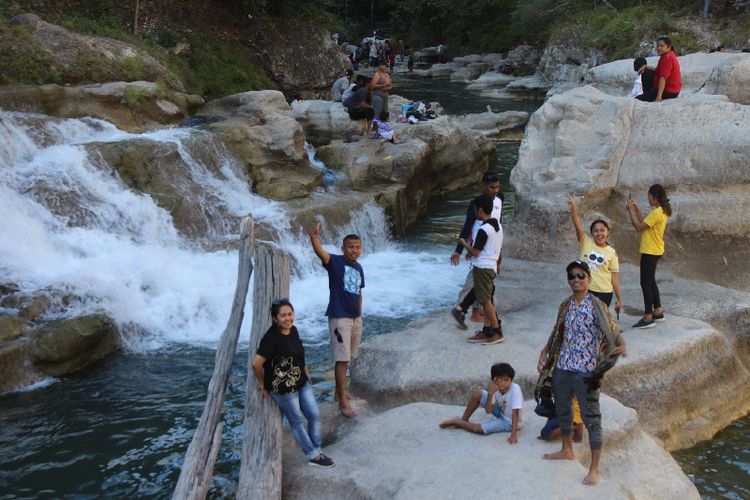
666 40
658 192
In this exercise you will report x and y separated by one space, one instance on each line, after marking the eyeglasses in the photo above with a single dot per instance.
580 276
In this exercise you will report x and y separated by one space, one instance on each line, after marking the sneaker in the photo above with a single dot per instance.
321 461
478 336
495 339
659 318
460 318
644 323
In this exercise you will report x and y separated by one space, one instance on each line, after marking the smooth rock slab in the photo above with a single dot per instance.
402 454
675 375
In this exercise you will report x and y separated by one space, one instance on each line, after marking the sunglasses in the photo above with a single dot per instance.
491 178
580 276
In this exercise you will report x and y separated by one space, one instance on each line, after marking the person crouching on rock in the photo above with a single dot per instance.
359 104
279 366
583 345
502 399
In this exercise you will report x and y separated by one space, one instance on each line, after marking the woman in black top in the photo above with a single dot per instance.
279 366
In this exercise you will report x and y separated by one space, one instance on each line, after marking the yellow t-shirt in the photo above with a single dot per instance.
602 261
652 239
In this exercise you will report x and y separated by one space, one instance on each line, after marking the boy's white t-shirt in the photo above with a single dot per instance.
511 400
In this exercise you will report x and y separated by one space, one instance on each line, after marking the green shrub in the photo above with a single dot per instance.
22 61
217 69
131 67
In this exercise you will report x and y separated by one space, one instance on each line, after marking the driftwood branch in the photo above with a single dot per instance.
197 469
260 472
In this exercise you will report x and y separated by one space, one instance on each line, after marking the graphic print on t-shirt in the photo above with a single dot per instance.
352 280
595 260
285 375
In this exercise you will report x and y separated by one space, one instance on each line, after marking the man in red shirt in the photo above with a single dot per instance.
668 82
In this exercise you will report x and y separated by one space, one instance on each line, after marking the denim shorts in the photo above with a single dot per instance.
497 422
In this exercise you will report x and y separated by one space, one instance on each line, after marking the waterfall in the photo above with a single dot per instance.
73 228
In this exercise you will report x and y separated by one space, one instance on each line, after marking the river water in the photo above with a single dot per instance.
120 429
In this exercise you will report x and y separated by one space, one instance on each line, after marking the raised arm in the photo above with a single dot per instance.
635 216
580 233
324 256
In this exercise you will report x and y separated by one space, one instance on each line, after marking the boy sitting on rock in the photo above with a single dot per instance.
502 399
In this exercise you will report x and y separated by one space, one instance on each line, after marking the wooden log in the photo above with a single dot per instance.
197 470
260 472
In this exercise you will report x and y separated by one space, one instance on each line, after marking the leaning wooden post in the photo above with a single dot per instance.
200 458
260 472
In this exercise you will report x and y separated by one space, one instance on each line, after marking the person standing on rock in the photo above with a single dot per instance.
491 187
667 74
601 258
486 251
652 248
346 279
381 87
279 366
583 345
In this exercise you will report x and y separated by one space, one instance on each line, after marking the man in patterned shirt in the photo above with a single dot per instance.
584 344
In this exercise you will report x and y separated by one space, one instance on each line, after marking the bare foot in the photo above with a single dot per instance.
591 478
347 411
449 423
560 455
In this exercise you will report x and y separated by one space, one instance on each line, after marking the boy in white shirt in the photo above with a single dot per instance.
502 399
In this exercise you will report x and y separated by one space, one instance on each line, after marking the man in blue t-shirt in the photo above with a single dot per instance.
345 282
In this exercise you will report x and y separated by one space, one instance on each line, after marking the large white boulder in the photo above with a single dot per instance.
675 375
402 454
606 147
723 73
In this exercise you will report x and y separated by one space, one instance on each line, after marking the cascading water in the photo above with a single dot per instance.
73 227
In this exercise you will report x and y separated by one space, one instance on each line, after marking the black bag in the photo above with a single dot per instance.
545 403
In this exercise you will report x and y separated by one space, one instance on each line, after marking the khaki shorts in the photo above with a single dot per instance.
346 334
483 279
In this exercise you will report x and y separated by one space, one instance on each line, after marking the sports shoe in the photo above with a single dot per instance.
659 318
460 318
478 336
644 323
495 339
321 461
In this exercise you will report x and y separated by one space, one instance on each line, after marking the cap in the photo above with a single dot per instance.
579 264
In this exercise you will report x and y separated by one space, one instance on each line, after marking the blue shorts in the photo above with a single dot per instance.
497 422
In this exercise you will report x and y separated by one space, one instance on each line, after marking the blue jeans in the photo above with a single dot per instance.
296 407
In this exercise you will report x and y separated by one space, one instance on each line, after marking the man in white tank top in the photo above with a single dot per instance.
490 186
485 251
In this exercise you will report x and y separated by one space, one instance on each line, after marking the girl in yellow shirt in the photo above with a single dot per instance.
601 258
652 248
